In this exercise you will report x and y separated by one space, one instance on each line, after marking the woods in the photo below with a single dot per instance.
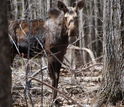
92 71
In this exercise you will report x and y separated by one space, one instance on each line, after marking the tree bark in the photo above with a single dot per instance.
5 71
113 73
122 36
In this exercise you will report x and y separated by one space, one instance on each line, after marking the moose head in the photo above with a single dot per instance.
71 16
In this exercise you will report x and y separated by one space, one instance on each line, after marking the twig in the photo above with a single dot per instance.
37 72
18 88
64 95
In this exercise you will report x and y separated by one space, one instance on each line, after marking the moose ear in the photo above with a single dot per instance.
79 5
62 6
74 4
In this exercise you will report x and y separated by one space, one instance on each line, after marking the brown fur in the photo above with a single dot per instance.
50 34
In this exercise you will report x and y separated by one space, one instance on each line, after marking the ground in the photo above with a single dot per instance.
80 85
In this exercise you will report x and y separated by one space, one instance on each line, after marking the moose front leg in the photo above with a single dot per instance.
54 70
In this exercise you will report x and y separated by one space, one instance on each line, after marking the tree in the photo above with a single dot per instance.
5 71
113 73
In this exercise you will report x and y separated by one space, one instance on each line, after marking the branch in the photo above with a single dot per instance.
64 95
85 49
36 73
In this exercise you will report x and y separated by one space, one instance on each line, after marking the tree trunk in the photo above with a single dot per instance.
81 36
97 37
122 37
5 72
15 9
113 73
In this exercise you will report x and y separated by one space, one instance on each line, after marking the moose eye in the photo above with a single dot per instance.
65 18
76 18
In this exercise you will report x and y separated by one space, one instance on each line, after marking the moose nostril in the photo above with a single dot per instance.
71 21
76 18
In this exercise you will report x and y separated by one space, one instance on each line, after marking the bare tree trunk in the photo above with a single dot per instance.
122 37
48 5
36 9
81 37
23 9
112 88
9 9
29 9
15 9
5 72
99 40
95 45
44 8
40 9
87 16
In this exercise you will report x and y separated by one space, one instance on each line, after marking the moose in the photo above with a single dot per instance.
50 34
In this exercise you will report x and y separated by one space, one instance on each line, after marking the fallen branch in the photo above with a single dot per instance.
64 95
37 72
94 65
84 49
84 79
18 88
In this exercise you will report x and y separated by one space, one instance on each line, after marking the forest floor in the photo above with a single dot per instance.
80 85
